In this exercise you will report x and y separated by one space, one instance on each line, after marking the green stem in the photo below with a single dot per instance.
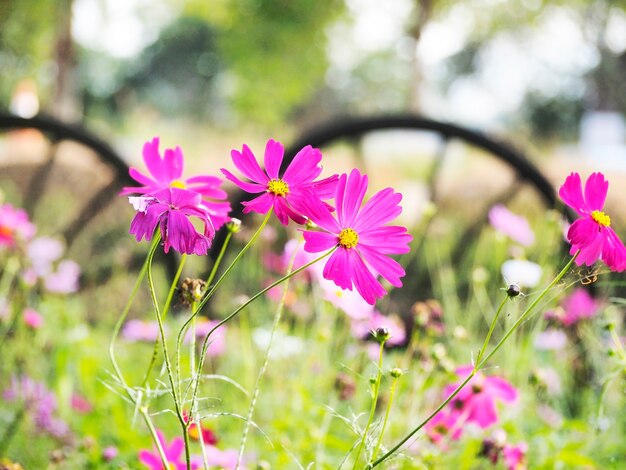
124 314
11 431
168 365
266 360
479 364
491 328
205 344
195 309
382 431
166 308
373 406
155 437
527 312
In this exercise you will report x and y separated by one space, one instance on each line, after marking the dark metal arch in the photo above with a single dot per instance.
355 127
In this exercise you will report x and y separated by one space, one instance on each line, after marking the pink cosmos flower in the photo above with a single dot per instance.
226 459
476 402
167 171
65 279
512 225
14 226
80 404
139 330
362 239
443 425
362 328
592 233
174 453
109 453
290 195
40 404
171 209
32 318
578 306
217 342
514 456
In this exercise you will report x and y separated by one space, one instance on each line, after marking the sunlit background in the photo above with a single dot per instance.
543 74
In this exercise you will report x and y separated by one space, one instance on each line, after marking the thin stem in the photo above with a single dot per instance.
491 328
382 431
266 360
155 436
479 364
168 366
214 288
166 308
374 402
11 430
205 344
527 312
124 314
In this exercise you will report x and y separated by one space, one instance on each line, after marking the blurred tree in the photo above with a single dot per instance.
27 39
273 51
176 73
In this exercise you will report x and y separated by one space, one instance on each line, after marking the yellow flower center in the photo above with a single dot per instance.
5 231
348 238
601 218
278 187
178 184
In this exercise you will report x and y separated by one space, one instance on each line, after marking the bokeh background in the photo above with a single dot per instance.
546 75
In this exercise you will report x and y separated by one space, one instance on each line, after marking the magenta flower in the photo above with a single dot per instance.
362 239
14 226
292 194
139 330
171 209
578 306
167 171
174 453
514 456
443 425
514 226
476 402
592 233
32 318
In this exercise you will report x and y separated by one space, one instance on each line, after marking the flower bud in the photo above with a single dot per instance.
396 372
381 334
513 291
233 225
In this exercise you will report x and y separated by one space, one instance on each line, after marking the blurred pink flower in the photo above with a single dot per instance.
550 339
167 171
226 459
217 341
514 226
140 330
65 279
362 328
171 209
592 234
32 318
42 253
174 453
14 226
514 456
443 426
578 306
109 453
290 195
349 301
80 404
362 240
476 402
40 403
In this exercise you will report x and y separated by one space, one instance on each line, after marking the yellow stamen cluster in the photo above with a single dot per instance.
278 187
348 238
601 218
178 184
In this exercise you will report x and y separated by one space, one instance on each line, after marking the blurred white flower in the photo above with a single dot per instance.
521 272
